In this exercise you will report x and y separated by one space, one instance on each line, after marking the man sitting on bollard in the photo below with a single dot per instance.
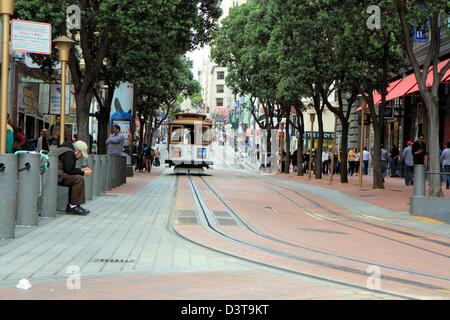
72 177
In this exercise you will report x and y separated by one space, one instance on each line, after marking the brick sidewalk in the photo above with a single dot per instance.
394 197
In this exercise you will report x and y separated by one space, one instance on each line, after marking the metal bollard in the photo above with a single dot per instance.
103 173
114 172
48 201
419 180
28 189
96 176
109 173
88 181
8 191
124 170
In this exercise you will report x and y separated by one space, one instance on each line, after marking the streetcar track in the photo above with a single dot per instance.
216 230
252 229
319 217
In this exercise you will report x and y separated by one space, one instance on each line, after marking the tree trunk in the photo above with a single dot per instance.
344 146
376 159
288 146
102 134
432 157
83 101
319 165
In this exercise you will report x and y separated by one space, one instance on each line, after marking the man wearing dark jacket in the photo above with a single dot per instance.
71 176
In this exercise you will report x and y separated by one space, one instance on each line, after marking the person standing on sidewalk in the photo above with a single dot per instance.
366 157
115 142
394 156
325 161
157 156
419 150
445 161
53 141
407 156
351 161
42 141
384 160
71 176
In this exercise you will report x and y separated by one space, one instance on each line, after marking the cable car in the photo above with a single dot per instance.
189 143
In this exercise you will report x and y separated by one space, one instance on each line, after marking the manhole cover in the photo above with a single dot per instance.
113 260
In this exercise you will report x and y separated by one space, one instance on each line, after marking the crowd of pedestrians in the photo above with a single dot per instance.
392 161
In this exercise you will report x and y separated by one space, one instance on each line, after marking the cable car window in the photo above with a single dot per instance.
206 135
188 135
177 134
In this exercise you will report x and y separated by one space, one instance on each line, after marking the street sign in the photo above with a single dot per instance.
30 36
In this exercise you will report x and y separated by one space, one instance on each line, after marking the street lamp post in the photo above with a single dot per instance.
361 147
6 10
334 146
312 116
63 43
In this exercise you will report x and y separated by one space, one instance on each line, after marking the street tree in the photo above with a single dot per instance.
105 24
427 16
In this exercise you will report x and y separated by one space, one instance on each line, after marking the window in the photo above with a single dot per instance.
220 88
219 102
176 135
220 75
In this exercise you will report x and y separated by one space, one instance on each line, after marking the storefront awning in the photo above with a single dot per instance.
408 85
429 81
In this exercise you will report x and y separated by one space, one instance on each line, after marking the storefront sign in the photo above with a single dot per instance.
28 97
55 99
30 36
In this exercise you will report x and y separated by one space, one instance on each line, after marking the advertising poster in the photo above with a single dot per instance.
55 99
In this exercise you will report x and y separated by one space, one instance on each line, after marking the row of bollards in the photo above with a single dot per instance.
29 188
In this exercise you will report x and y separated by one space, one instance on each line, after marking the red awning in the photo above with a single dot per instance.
408 85
429 81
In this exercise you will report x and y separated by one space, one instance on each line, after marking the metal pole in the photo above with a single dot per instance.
6 9
88 181
334 146
62 127
361 148
311 146
96 185
419 180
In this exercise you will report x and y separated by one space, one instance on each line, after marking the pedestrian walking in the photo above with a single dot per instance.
445 161
115 142
394 156
384 160
240 160
157 156
419 150
351 160
408 157
357 158
9 135
325 161
366 158
71 176
42 141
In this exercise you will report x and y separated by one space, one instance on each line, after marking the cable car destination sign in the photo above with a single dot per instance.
30 36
